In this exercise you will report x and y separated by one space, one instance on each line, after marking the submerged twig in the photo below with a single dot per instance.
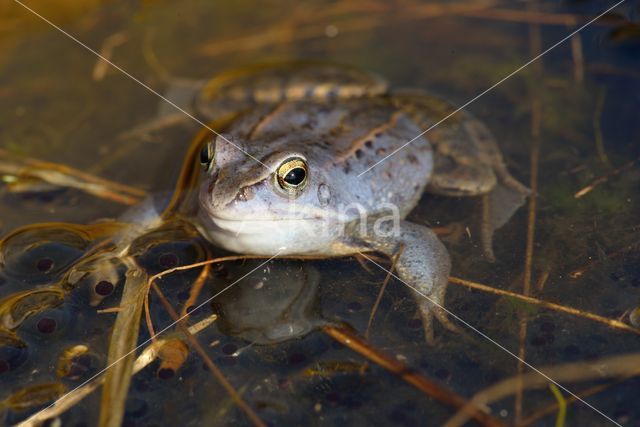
422 383
535 47
196 288
281 34
597 126
577 273
63 176
394 261
605 178
578 58
123 340
106 52
571 399
533 17
627 365
546 304
217 373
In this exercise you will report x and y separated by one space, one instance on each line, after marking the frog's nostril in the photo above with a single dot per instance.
245 194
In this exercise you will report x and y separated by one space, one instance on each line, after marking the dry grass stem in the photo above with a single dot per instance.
382 289
422 383
106 51
577 273
66 177
123 341
578 58
550 409
621 366
535 47
604 178
546 304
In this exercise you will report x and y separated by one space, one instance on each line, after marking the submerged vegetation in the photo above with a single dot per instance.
79 290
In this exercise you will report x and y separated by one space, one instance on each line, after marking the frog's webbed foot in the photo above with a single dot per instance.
423 265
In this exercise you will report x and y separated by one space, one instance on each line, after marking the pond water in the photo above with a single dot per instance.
568 126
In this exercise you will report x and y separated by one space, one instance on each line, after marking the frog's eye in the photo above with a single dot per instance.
292 174
206 155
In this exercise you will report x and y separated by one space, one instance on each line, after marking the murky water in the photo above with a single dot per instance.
60 104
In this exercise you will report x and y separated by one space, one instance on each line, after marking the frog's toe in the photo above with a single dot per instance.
429 311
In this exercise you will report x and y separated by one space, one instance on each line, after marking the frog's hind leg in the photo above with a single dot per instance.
423 265
467 161
236 90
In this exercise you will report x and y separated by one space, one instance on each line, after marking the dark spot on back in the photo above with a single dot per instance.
359 153
368 144
413 159
347 167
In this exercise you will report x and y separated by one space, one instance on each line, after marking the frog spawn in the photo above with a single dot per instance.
52 336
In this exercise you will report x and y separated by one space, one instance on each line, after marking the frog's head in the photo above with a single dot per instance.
274 199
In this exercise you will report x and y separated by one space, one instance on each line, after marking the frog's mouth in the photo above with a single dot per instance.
252 226
266 236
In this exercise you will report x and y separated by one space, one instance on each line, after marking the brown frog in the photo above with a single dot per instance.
298 170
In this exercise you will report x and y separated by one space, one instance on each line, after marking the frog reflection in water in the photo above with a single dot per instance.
274 304
301 151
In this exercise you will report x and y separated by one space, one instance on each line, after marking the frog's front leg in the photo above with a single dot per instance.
423 263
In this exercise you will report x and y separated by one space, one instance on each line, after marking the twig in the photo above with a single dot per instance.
535 47
597 125
64 176
627 365
542 279
546 304
311 29
108 310
196 288
578 58
577 273
571 399
601 68
238 400
147 318
422 383
535 17
382 289
605 178
106 51
123 340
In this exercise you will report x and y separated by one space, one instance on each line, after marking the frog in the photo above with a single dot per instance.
277 304
313 160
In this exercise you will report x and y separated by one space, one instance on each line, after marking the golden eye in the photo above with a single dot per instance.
206 155
292 174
